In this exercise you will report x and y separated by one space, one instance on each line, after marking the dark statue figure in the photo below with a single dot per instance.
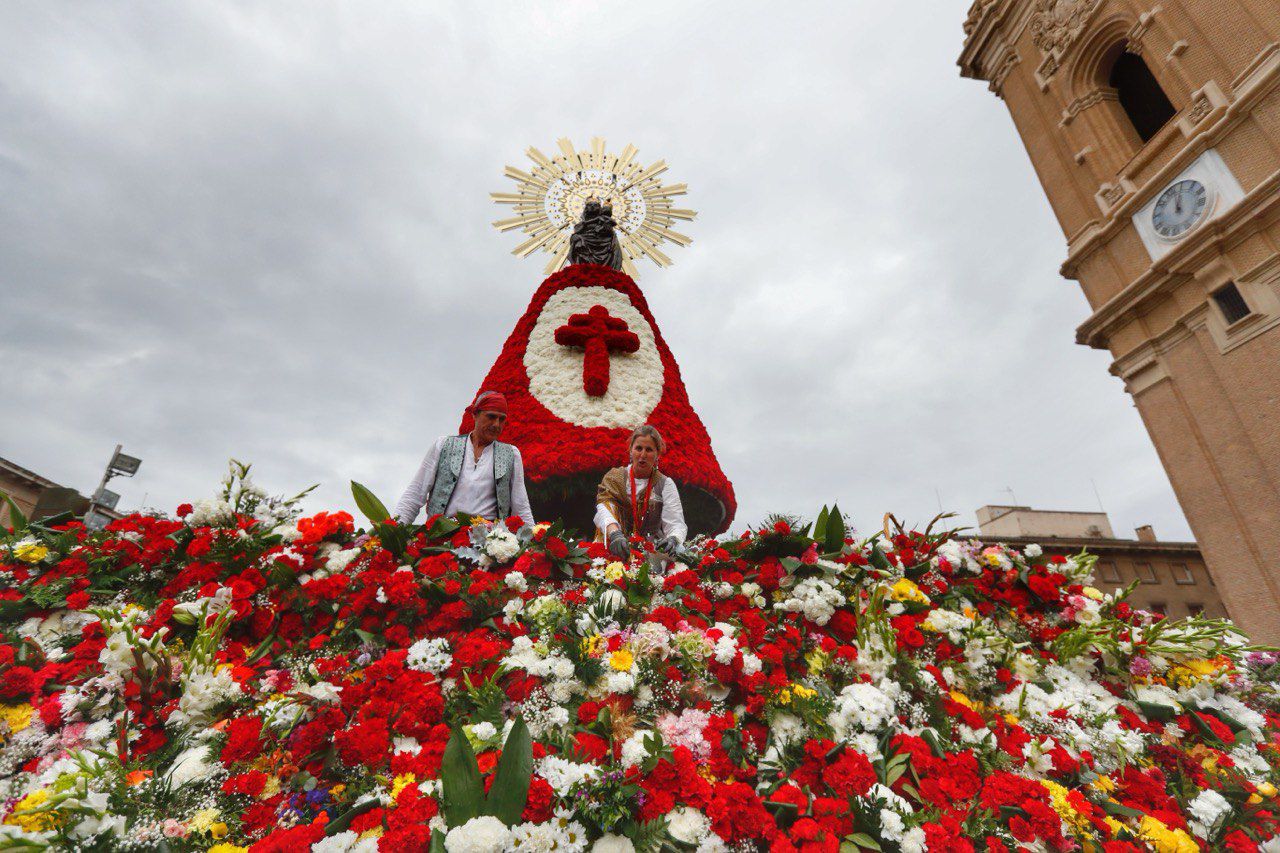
593 240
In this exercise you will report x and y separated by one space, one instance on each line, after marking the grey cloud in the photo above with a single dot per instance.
263 232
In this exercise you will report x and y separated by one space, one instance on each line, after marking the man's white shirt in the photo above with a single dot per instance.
475 492
672 510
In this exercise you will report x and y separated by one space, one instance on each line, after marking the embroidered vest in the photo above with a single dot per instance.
449 468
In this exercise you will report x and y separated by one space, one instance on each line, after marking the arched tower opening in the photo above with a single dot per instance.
1145 104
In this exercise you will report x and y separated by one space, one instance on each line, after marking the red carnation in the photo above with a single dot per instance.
850 774
365 743
243 734
737 814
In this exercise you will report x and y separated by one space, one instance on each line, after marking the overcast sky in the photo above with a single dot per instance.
263 231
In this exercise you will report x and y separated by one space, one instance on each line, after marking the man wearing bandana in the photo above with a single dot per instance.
474 474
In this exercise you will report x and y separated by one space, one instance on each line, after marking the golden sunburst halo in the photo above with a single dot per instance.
548 202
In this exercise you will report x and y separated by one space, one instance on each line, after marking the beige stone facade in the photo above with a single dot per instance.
1172 221
1172 577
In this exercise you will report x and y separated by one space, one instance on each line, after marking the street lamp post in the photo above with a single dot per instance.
121 465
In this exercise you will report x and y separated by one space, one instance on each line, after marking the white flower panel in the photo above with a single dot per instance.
555 371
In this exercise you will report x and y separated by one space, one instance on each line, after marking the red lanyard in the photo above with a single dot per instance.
638 511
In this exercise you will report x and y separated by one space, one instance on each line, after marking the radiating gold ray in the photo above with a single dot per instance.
548 202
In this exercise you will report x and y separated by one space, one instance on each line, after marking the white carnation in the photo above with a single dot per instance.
345 842
688 825
191 765
484 834
501 544
1209 807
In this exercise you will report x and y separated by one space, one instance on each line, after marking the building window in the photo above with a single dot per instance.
1108 572
1195 608
1140 95
1230 302
1182 574
1158 607
1145 573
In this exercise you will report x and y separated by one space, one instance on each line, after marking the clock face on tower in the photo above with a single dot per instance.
1180 208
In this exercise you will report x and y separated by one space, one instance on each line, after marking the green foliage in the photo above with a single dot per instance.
829 530
392 535
510 791
463 789
17 519
368 502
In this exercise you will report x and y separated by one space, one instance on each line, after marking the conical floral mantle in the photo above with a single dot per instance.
584 366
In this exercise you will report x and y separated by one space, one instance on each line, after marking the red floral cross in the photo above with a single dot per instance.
598 334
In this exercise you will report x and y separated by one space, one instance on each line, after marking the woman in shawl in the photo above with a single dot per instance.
640 499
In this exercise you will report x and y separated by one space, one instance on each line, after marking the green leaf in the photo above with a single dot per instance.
820 526
333 827
863 841
460 778
877 558
1157 712
510 791
369 504
437 841
17 520
1117 810
834 530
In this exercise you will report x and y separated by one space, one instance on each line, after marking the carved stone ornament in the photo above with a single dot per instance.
1200 108
1055 24
977 12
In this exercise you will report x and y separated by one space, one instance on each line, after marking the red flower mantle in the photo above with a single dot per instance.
564 461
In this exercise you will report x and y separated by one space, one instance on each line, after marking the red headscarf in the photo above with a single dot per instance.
489 401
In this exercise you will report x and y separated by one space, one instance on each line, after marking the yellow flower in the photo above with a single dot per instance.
31 553
270 789
1061 805
1105 784
228 848
803 692
373 544
1189 673
784 698
613 571
1114 826
218 830
1166 840
26 816
17 716
401 782
205 820
906 590
1093 593
593 646
621 660
817 660
1266 789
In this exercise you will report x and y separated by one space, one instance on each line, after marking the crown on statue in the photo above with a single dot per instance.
549 201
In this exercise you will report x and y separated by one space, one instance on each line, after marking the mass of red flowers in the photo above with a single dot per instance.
240 678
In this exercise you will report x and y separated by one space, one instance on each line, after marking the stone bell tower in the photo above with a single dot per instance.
1154 126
